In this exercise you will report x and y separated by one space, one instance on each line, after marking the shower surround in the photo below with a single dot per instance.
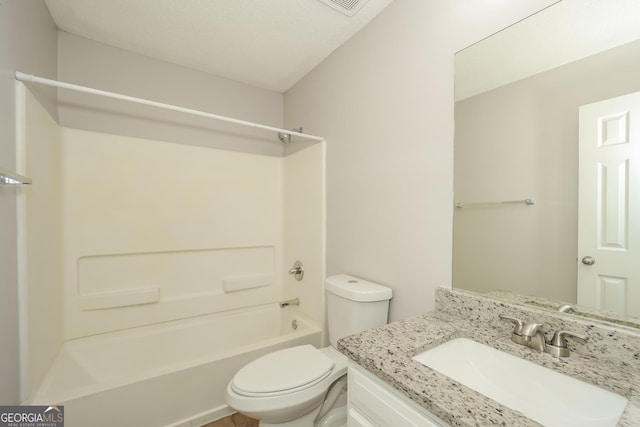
119 233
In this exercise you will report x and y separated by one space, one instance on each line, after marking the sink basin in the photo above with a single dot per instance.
544 395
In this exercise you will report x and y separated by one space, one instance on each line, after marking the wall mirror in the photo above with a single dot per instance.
530 198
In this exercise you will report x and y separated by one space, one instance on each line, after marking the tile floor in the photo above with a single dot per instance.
234 420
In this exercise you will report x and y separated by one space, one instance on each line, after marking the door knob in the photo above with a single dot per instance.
588 260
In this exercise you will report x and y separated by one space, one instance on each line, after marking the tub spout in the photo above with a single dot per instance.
295 301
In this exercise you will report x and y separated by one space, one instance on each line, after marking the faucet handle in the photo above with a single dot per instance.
558 346
517 329
530 329
559 341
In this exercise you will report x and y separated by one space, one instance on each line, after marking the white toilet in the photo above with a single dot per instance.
304 386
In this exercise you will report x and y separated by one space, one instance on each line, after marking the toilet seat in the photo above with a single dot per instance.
288 404
283 372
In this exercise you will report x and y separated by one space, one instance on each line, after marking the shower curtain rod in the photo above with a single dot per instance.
48 82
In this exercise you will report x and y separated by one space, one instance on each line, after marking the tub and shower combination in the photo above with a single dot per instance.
147 295
180 368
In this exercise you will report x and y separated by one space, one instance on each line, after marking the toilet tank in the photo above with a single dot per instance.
354 305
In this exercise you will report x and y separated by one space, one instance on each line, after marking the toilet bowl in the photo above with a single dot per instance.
285 385
303 386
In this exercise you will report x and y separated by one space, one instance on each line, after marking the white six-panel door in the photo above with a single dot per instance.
609 206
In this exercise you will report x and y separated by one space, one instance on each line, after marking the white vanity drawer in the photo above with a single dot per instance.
372 403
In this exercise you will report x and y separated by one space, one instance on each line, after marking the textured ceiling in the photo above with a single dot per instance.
266 43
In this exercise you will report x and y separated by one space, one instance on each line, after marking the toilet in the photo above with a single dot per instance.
303 386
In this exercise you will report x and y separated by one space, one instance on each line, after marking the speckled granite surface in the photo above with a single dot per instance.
609 359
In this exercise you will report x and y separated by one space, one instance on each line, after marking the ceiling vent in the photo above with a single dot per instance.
348 7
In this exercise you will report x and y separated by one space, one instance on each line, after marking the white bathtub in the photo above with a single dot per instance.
174 373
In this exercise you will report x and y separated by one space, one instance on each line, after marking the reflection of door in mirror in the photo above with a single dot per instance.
609 206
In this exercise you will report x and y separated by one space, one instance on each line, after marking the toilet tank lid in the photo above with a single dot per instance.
356 289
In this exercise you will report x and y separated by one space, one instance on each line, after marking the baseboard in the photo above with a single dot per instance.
203 418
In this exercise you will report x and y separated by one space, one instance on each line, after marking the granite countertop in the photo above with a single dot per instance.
387 353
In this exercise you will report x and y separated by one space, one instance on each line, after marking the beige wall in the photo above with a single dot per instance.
520 141
27 43
89 63
384 101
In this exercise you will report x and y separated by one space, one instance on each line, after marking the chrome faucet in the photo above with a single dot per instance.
531 335
534 336
566 308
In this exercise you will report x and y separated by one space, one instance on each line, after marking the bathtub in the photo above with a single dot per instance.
168 374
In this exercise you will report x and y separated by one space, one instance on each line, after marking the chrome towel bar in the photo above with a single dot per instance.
529 201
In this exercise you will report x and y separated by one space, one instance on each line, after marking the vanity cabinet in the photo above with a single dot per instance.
372 403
